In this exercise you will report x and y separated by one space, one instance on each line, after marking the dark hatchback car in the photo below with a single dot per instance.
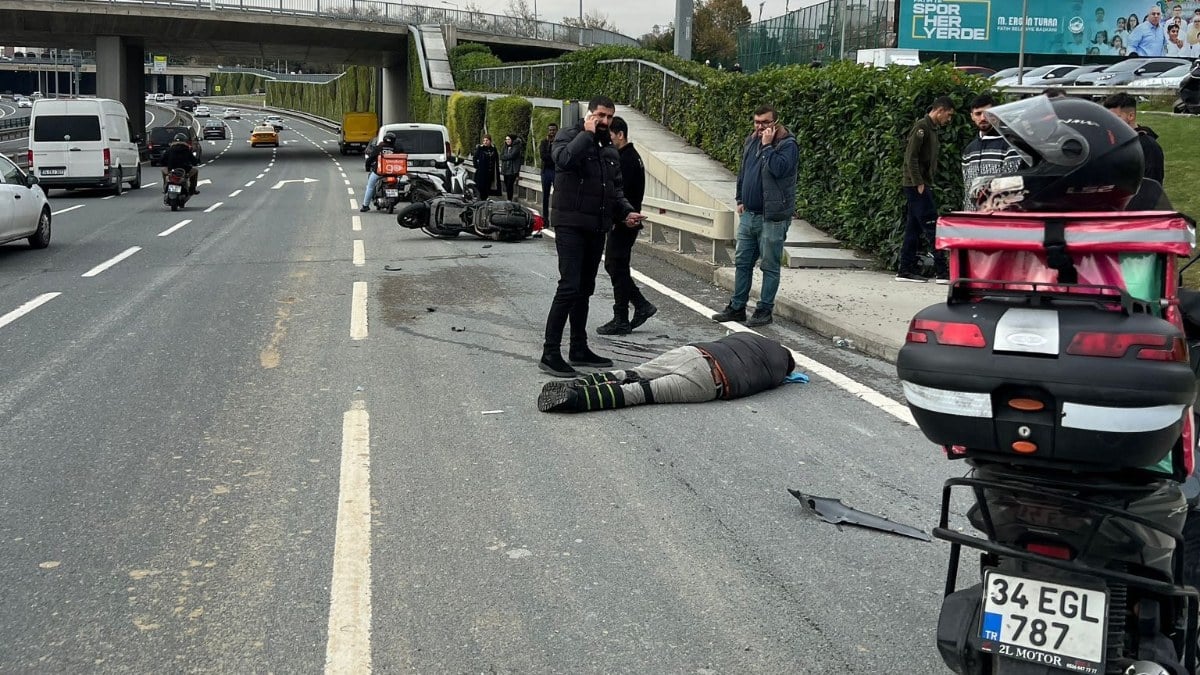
214 129
160 138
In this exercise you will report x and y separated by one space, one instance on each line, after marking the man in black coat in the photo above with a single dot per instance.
737 365
1125 106
588 197
547 159
619 250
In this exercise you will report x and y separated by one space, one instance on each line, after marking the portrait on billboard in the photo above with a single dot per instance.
1078 27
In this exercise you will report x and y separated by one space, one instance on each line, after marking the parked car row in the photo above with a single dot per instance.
1139 72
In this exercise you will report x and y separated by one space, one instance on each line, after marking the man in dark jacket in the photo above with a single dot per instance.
386 146
487 165
619 250
179 156
1125 106
588 198
920 168
987 155
547 160
766 200
737 365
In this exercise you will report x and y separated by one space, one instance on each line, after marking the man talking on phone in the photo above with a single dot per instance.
586 200
766 199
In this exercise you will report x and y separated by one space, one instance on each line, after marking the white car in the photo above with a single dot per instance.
24 212
275 121
231 114
201 111
23 102
1170 79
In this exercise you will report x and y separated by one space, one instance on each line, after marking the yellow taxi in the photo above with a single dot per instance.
264 134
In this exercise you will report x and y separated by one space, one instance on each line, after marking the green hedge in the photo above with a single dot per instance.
464 120
542 119
236 84
354 91
422 106
469 56
851 124
509 115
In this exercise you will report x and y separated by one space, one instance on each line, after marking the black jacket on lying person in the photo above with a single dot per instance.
588 191
750 363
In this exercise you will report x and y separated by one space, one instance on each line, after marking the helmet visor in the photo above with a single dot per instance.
1036 132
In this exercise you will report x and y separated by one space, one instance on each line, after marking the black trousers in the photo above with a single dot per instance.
509 183
920 225
579 253
547 184
617 254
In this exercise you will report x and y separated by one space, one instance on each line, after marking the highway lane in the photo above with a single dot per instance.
156 115
180 428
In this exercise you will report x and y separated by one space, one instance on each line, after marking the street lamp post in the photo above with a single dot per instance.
842 8
1021 52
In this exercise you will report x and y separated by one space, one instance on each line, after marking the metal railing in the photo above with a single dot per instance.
382 11
310 78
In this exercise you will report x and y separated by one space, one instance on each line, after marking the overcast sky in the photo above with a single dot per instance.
632 17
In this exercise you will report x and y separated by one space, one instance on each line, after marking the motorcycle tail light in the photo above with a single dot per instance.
390 179
1116 345
946 333
539 223
1056 551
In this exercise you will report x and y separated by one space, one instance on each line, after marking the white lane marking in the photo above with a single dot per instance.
813 367
260 175
249 184
214 207
353 204
349 191
358 311
356 223
360 253
27 308
108 197
347 181
174 227
146 185
112 261
348 641
267 170
235 193
69 208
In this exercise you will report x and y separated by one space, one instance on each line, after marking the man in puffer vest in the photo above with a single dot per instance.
737 365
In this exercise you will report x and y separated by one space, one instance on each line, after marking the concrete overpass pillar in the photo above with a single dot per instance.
393 94
121 75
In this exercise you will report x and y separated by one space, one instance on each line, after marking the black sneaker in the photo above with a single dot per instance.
730 314
761 317
616 326
583 356
554 364
364 209
558 397
641 313
911 277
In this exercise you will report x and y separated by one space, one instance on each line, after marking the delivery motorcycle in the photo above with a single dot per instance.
446 216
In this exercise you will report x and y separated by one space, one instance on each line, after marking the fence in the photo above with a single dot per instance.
381 11
828 31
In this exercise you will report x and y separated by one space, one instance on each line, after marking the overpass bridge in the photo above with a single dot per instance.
360 32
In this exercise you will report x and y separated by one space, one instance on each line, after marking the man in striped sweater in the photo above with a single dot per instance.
987 155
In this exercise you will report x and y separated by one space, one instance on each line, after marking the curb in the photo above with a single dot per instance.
866 342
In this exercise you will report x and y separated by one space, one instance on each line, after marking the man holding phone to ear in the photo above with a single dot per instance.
766 199
588 197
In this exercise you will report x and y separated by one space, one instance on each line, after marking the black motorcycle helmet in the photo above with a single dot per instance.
179 138
389 139
1076 156
414 216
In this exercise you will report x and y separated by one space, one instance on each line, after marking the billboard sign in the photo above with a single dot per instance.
1094 27
160 64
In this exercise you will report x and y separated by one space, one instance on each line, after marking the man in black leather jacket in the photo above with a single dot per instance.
179 156
587 198
737 365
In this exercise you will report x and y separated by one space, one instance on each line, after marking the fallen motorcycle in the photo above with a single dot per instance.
446 216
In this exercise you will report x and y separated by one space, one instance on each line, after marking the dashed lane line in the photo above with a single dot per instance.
214 207
112 261
27 308
174 227
69 208
358 311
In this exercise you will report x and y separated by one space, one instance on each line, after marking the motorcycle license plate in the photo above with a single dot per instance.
174 188
392 193
1043 622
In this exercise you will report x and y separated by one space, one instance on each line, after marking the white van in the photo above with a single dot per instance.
427 147
82 143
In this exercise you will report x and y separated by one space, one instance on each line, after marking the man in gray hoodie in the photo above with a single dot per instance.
766 200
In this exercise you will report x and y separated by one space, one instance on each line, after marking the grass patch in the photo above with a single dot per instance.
1177 136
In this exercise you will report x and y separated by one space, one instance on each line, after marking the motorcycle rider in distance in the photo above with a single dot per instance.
179 156
386 147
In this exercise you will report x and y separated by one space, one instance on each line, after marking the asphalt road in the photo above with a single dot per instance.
208 453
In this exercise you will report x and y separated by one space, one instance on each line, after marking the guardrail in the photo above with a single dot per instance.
13 127
382 11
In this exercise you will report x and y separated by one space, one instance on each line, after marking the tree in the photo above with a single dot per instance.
519 9
659 39
716 23
593 19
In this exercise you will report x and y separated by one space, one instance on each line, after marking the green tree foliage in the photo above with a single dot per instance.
716 23
661 39
467 57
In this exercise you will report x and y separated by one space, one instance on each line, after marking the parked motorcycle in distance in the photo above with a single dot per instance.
176 193
1189 92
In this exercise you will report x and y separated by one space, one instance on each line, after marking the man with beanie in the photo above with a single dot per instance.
737 365
587 199
766 200
619 250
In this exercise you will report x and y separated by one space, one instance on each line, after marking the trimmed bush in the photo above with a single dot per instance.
542 119
354 91
509 115
464 119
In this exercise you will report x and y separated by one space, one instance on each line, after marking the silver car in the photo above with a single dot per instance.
1128 70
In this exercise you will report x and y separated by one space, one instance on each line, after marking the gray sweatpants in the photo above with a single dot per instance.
680 375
